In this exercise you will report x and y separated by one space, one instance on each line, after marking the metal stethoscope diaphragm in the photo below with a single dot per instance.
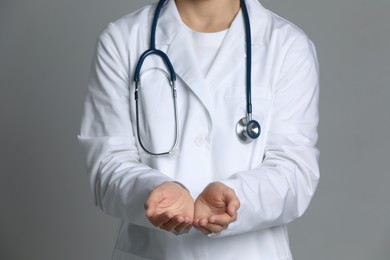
247 130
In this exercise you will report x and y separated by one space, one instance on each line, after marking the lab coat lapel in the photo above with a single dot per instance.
232 54
182 55
181 52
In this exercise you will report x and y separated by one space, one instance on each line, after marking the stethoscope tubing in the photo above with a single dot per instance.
174 146
248 39
162 55
153 51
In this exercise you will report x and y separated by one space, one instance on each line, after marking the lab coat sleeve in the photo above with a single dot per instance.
120 183
280 189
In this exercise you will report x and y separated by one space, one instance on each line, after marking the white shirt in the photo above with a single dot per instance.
206 46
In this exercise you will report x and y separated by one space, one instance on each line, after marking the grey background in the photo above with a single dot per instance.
46 208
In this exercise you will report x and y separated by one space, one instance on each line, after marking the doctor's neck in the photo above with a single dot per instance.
208 15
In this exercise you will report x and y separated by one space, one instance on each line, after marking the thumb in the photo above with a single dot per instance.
152 202
150 208
232 201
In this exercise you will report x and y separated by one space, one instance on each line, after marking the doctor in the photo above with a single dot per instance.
207 148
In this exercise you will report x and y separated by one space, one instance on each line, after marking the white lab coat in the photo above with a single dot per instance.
274 177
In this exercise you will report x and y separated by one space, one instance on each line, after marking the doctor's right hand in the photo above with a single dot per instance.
170 207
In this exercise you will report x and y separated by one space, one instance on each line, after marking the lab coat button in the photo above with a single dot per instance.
199 141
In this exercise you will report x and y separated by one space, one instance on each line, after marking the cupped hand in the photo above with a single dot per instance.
170 207
215 208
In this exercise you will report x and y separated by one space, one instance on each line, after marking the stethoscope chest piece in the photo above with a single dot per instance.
247 130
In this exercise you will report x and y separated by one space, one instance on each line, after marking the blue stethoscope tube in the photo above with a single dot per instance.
247 129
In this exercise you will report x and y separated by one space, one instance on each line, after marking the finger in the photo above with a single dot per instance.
221 219
188 228
232 209
200 221
151 203
182 226
203 230
234 218
214 228
233 203
173 223
150 208
160 219
189 219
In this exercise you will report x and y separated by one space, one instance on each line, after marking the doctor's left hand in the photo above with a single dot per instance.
215 208
170 207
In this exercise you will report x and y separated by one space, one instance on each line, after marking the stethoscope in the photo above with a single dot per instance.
247 129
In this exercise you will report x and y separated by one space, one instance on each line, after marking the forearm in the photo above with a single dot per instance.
275 193
119 182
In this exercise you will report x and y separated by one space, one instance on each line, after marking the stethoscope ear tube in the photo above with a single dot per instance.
176 141
153 51
159 53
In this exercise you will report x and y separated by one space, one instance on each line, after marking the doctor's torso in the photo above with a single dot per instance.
209 107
